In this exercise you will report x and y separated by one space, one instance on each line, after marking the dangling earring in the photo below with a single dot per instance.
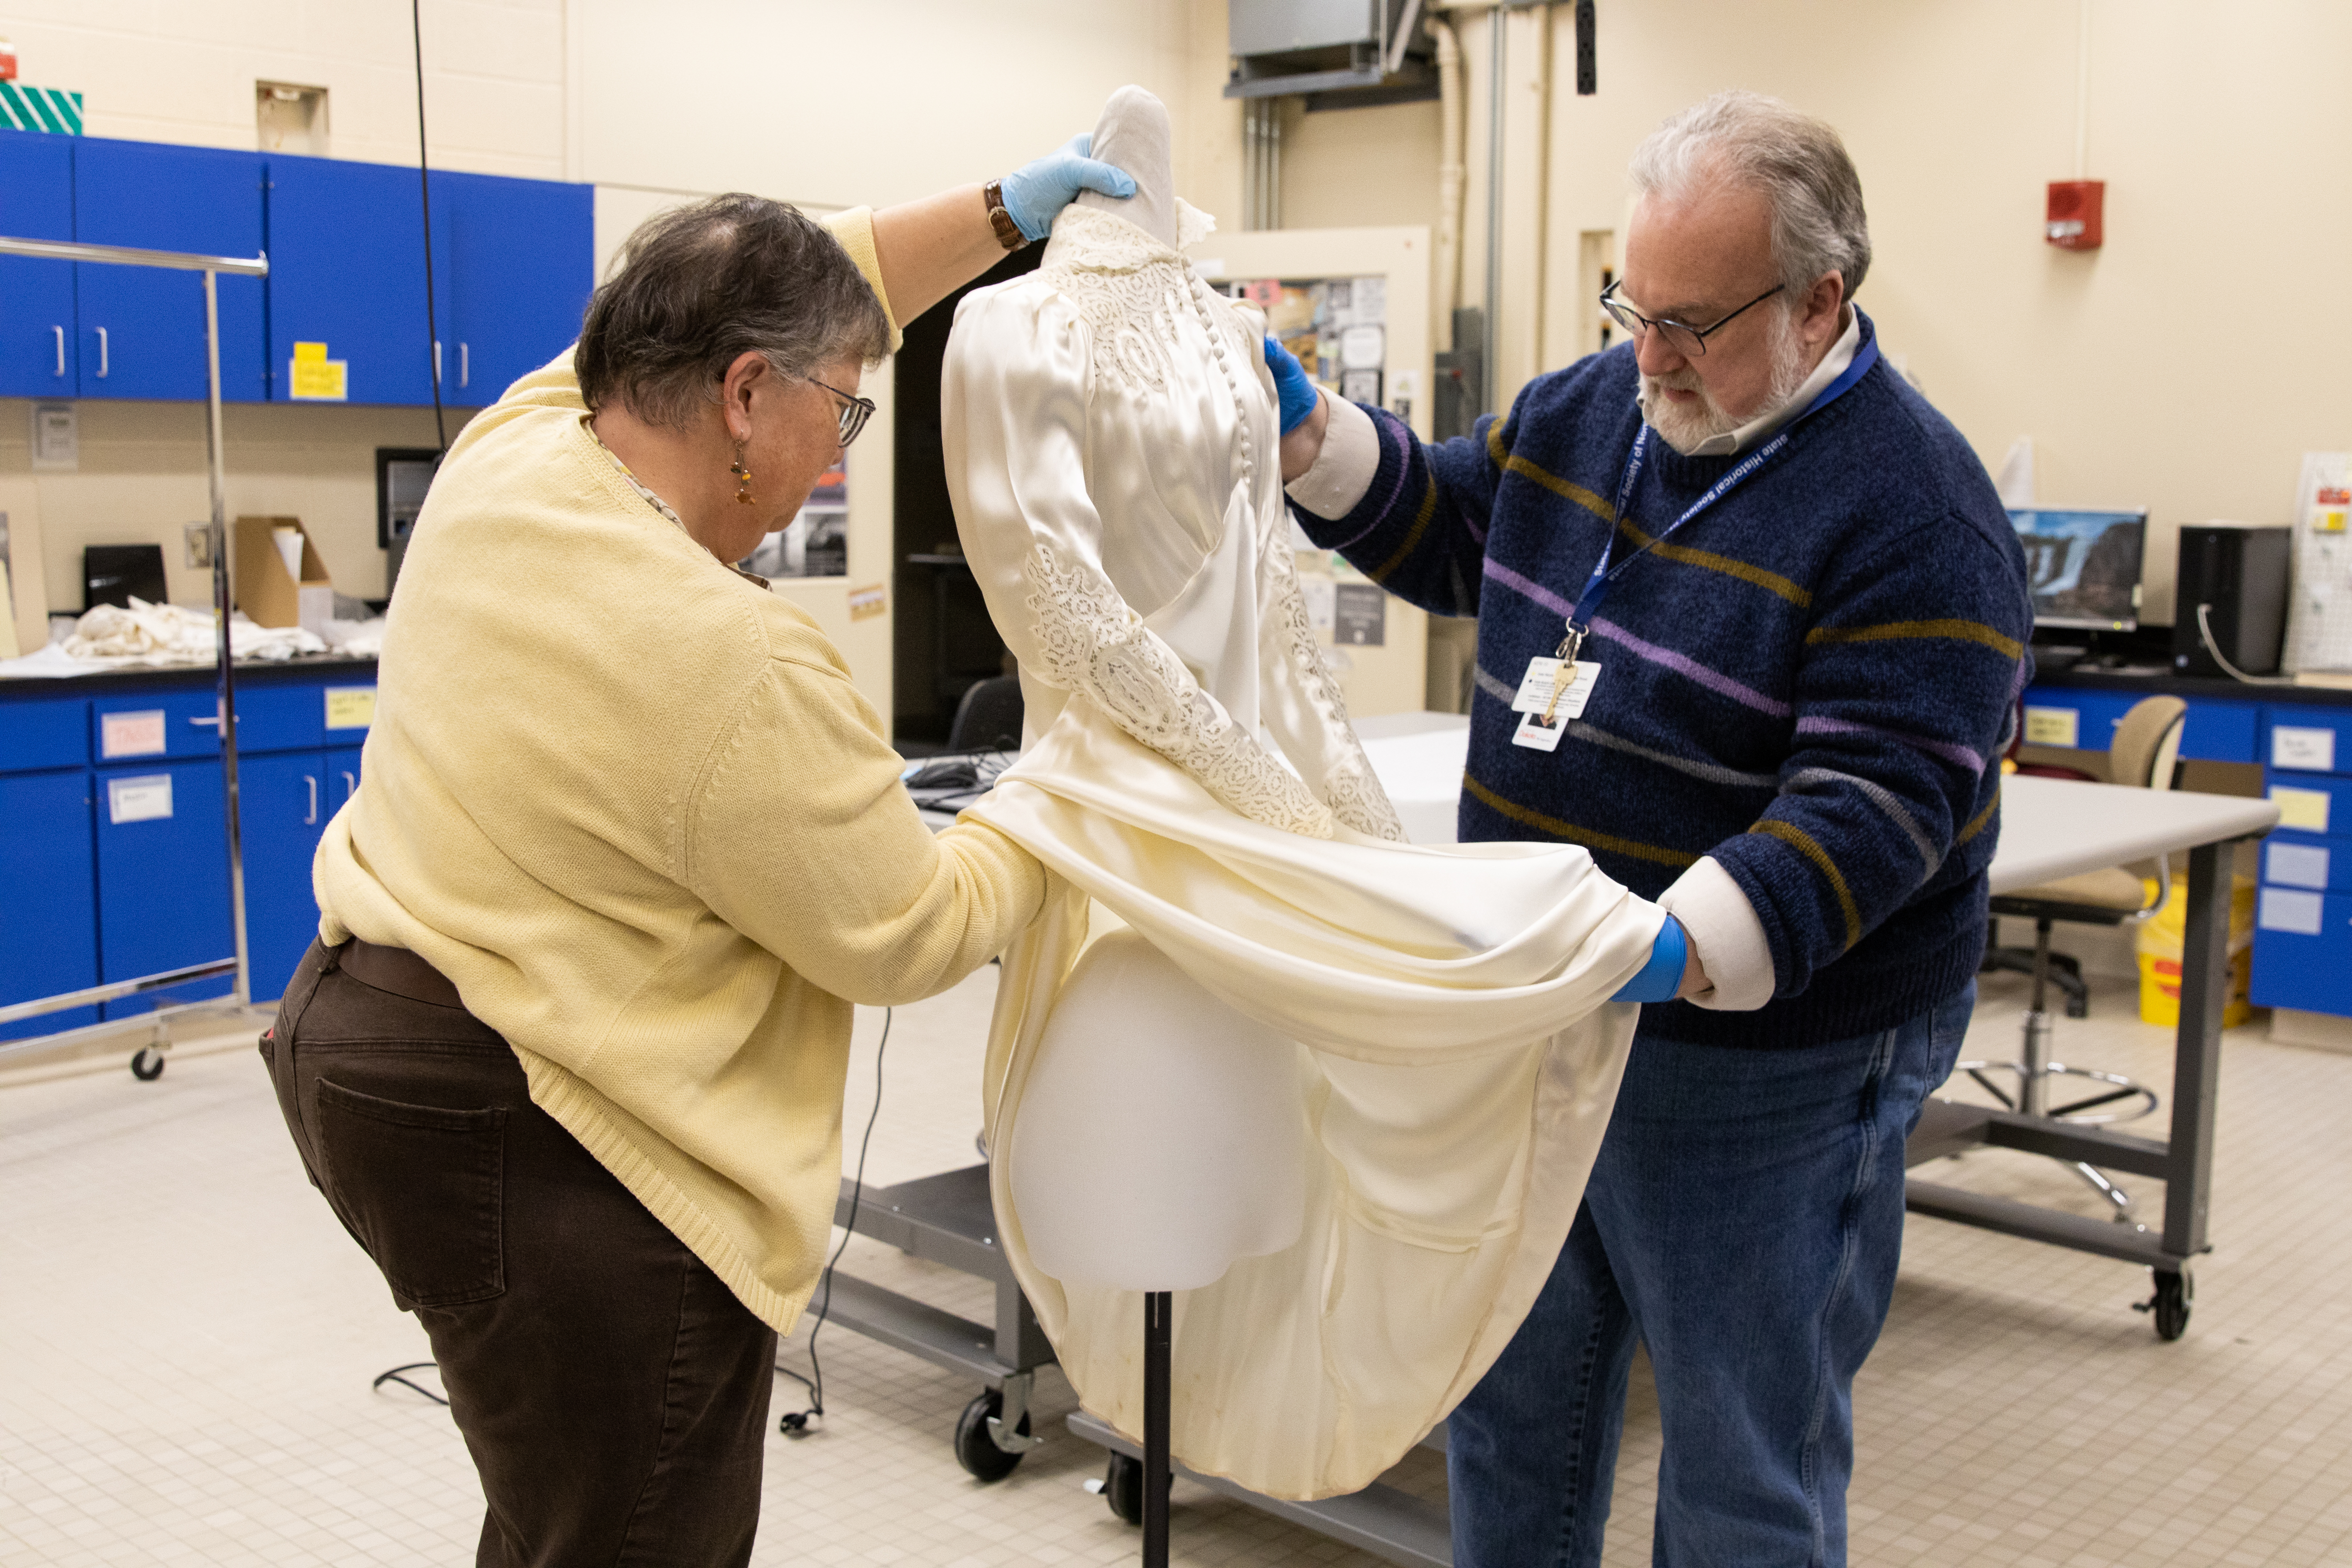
743 474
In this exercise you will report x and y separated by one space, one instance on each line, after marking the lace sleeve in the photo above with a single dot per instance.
1306 712
1090 641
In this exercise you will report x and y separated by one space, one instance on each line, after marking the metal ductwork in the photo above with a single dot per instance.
1336 54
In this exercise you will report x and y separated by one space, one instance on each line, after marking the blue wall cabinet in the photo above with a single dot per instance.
163 877
49 918
521 268
284 800
347 270
142 329
37 345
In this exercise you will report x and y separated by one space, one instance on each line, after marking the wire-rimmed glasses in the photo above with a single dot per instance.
854 410
1684 339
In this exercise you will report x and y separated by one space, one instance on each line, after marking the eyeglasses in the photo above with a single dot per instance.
1687 341
854 410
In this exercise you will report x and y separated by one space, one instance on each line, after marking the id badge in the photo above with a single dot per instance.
1539 736
1536 686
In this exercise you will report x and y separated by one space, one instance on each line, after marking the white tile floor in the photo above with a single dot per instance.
186 1342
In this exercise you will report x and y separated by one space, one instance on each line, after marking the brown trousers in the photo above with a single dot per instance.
614 1394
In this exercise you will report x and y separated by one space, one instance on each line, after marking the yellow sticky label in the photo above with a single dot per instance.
2306 809
350 707
310 354
2052 727
865 604
318 380
2327 520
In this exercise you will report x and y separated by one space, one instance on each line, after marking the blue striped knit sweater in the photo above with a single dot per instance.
1811 682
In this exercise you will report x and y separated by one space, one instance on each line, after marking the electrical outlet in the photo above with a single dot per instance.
199 545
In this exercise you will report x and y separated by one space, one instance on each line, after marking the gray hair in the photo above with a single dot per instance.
1796 163
696 288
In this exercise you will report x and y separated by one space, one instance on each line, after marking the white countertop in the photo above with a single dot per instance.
2049 827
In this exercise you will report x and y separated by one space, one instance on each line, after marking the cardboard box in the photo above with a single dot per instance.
264 590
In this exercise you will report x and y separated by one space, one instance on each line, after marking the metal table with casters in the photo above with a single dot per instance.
2052 829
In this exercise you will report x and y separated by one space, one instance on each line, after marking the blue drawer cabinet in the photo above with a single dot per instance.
48 918
2307 739
284 801
521 259
2216 731
2222 732
38 348
142 329
167 722
52 733
112 842
163 877
2307 861
347 270
2303 949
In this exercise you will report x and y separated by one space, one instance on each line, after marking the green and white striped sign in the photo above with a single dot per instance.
48 109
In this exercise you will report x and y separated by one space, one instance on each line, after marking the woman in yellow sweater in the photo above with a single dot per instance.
567 1058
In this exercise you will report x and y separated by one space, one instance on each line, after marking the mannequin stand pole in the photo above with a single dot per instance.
1158 1308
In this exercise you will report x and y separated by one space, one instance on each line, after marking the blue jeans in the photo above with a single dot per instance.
1743 1222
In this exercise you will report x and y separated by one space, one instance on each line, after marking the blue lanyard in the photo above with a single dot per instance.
1596 587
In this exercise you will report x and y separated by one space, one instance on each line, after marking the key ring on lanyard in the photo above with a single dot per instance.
1578 624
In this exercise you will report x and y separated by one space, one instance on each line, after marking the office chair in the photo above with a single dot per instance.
2145 754
988 718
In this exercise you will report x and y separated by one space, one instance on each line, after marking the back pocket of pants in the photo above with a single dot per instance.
422 1186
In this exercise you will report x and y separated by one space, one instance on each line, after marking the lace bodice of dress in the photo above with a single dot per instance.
1124 399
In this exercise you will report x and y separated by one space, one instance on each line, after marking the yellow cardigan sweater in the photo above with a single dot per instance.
629 803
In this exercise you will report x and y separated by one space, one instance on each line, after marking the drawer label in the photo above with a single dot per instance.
2297 865
2312 749
136 734
2052 727
350 707
143 799
2298 913
2302 809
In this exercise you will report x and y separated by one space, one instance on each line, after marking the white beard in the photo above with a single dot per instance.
1686 427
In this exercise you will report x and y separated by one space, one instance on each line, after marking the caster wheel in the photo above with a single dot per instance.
975 1450
2171 1304
1123 1487
148 1065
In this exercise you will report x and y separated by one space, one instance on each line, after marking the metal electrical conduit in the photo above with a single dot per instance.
225 678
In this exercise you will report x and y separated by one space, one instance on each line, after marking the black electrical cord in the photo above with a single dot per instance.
424 199
398 1374
795 1423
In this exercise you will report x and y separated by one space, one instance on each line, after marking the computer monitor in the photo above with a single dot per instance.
2083 565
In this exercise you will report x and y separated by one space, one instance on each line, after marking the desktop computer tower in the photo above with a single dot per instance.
2240 574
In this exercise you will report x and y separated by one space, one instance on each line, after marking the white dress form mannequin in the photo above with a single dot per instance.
1159 1139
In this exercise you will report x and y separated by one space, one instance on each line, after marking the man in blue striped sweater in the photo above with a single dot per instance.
1790 618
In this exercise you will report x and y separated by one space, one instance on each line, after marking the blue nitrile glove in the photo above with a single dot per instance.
1663 975
1035 193
1295 394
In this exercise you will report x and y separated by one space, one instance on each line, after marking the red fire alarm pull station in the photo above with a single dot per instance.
2074 210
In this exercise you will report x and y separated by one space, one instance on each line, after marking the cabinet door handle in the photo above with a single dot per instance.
465 364
62 350
102 362
436 361
351 786
214 723
312 820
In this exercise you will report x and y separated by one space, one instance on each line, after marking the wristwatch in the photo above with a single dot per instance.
1008 233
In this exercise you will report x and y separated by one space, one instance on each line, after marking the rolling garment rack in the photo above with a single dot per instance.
147 1063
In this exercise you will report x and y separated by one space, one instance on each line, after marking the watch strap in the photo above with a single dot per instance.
1008 233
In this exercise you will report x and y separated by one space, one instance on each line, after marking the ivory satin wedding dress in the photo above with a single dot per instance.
1339 1091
